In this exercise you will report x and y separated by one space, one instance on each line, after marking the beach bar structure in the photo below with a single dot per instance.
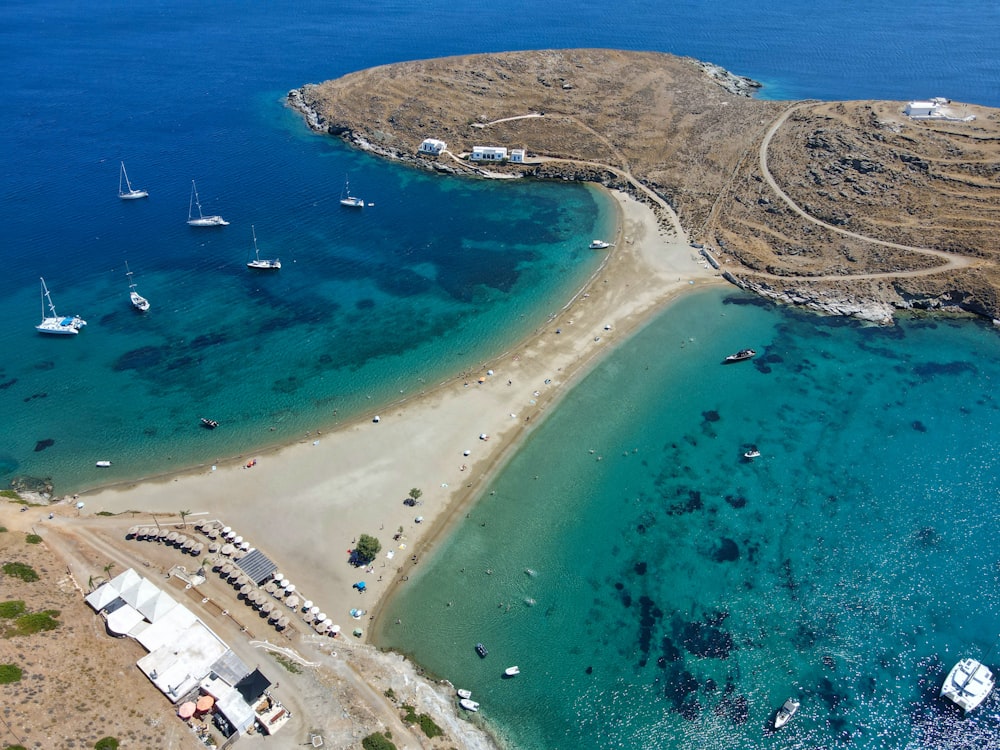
432 146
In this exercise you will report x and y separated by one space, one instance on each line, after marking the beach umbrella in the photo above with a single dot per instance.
307 605
163 533
321 616
234 575
243 579
132 532
270 587
320 627
274 616
267 608
199 525
187 544
292 601
313 609
282 623
237 540
240 554
213 547
228 549
284 583
172 536
245 546
361 585
179 541
197 549
205 703
187 709
226 529
245 589
212 534
328 622
335 628
290 588
278 578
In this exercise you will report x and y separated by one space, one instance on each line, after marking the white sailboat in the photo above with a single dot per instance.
258 262
125 190
57 324
139 302
201 220
968 684
351 201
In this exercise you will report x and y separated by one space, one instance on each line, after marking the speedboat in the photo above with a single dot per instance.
210 424
103 464
786 712
464 693
511 671
968 684
599 245
468 704
740 356
752 454
481 650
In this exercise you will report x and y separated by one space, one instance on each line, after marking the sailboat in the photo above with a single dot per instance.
139 302
57 324
269 265
201 220
351 201
128 193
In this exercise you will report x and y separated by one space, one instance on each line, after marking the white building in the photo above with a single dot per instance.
432 146
920 109
935 109
517 155
489 153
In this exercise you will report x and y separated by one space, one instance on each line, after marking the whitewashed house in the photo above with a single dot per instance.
517 155
920 109
935 109
488 153
432 146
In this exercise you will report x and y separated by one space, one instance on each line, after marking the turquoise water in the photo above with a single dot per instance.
659 590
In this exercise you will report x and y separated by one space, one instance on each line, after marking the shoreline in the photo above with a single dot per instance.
303 503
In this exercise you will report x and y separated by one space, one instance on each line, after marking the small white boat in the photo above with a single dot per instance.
201 220
55 323
139 302
752 454
103 464
125 190
968 684
257 262
512 671
468 704
464 693
599 245
351 201
786 712
739 356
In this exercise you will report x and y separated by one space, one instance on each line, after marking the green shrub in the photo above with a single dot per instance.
10 673
14 747
12 608
3 529
10 494
34 622
106 743
427 724
19 570
33 539
377 742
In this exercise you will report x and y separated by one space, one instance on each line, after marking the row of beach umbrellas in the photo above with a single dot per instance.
175 539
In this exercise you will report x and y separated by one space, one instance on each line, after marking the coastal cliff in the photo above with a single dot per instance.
849 208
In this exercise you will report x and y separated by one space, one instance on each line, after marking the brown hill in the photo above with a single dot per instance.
850 207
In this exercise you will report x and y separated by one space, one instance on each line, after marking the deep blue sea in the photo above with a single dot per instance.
849 565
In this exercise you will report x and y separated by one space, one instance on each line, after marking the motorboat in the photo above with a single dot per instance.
599 245
258 262
201 220
469 704
462 693
512 671
125 190
481 650
751 454
741 355
968 684
56 323
210 424
139 302
786 712
103 464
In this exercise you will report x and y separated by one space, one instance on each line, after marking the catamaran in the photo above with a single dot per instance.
201 220
125 190
139 302
57 324
351 201
265 264
968 684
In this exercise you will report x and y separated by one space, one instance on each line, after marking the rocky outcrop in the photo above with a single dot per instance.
734 84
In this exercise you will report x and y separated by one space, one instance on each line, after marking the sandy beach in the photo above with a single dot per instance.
306 504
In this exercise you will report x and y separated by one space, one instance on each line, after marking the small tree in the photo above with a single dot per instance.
377 742
107 570
184 514
415 493
365 550
106 743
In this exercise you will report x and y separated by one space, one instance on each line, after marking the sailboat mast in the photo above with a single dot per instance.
46 296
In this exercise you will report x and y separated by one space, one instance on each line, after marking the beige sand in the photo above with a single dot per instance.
305 505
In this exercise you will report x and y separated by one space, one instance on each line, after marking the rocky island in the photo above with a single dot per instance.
852 208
